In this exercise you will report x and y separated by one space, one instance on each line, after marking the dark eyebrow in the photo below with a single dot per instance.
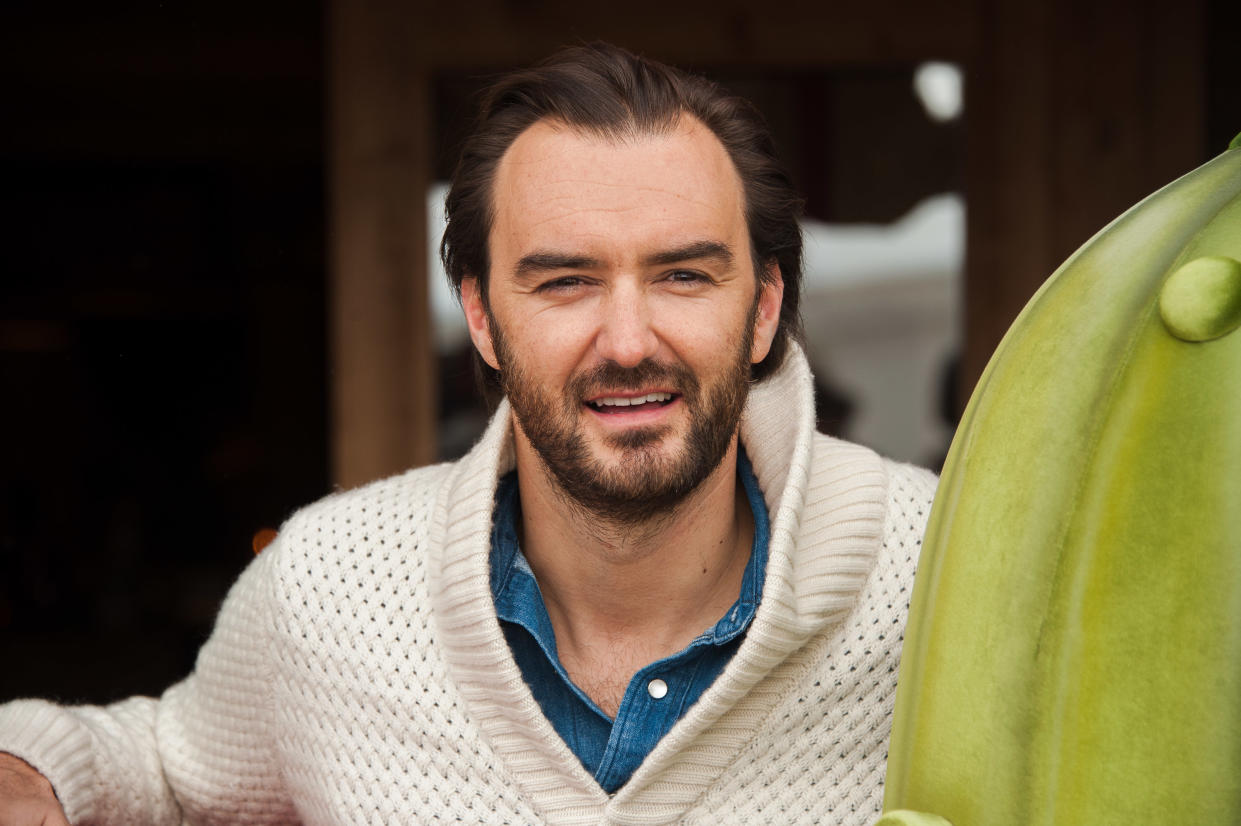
543 261
693 252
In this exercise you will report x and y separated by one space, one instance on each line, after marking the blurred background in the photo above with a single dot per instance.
220 297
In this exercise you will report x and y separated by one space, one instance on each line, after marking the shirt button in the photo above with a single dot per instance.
657 688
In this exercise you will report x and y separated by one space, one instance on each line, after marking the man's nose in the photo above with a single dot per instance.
625 332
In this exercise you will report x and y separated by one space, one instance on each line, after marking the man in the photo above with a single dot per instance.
650 594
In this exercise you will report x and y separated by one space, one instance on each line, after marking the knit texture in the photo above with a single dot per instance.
357 673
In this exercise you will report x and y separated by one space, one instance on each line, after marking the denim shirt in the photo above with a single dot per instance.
657 695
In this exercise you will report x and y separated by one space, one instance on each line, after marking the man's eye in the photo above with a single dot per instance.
686 277
560 284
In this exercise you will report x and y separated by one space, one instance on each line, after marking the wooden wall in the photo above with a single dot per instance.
162 303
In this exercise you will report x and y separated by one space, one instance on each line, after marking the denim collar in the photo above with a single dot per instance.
516 592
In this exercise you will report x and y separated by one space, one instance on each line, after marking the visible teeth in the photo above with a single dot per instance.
617 401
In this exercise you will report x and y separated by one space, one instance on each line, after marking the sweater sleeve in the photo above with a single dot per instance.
202 753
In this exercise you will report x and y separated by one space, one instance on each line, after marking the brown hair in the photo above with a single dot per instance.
606 90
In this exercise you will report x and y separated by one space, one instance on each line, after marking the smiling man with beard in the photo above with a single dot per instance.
628 429
650 594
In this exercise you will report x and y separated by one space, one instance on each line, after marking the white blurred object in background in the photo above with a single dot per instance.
939 87
881 306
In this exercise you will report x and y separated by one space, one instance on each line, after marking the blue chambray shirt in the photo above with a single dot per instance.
612 750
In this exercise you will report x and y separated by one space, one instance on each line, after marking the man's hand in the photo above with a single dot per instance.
26 797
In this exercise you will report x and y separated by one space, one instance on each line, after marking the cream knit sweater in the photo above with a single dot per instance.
357 673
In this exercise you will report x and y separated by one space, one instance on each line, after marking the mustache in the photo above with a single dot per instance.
610 376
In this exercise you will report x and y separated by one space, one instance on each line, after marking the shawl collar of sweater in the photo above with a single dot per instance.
827 503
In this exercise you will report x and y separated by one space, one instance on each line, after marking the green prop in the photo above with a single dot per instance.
1074 645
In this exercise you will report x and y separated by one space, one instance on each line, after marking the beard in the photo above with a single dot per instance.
646 482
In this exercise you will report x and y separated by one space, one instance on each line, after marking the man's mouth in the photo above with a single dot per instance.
626 404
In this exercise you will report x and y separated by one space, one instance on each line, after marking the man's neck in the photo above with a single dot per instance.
620 599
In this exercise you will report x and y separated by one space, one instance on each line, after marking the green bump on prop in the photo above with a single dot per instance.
1202 299
1236 143
905 817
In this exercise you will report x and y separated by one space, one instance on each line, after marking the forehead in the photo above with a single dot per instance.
560 187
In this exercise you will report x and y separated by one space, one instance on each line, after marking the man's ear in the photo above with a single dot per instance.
476 319
767 317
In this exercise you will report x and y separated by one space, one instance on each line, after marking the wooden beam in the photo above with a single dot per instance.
382 378
779 34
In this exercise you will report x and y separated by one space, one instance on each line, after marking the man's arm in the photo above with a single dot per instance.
203 749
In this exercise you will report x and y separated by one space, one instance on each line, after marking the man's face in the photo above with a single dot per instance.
624 310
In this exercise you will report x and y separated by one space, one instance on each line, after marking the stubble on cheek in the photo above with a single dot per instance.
647 479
